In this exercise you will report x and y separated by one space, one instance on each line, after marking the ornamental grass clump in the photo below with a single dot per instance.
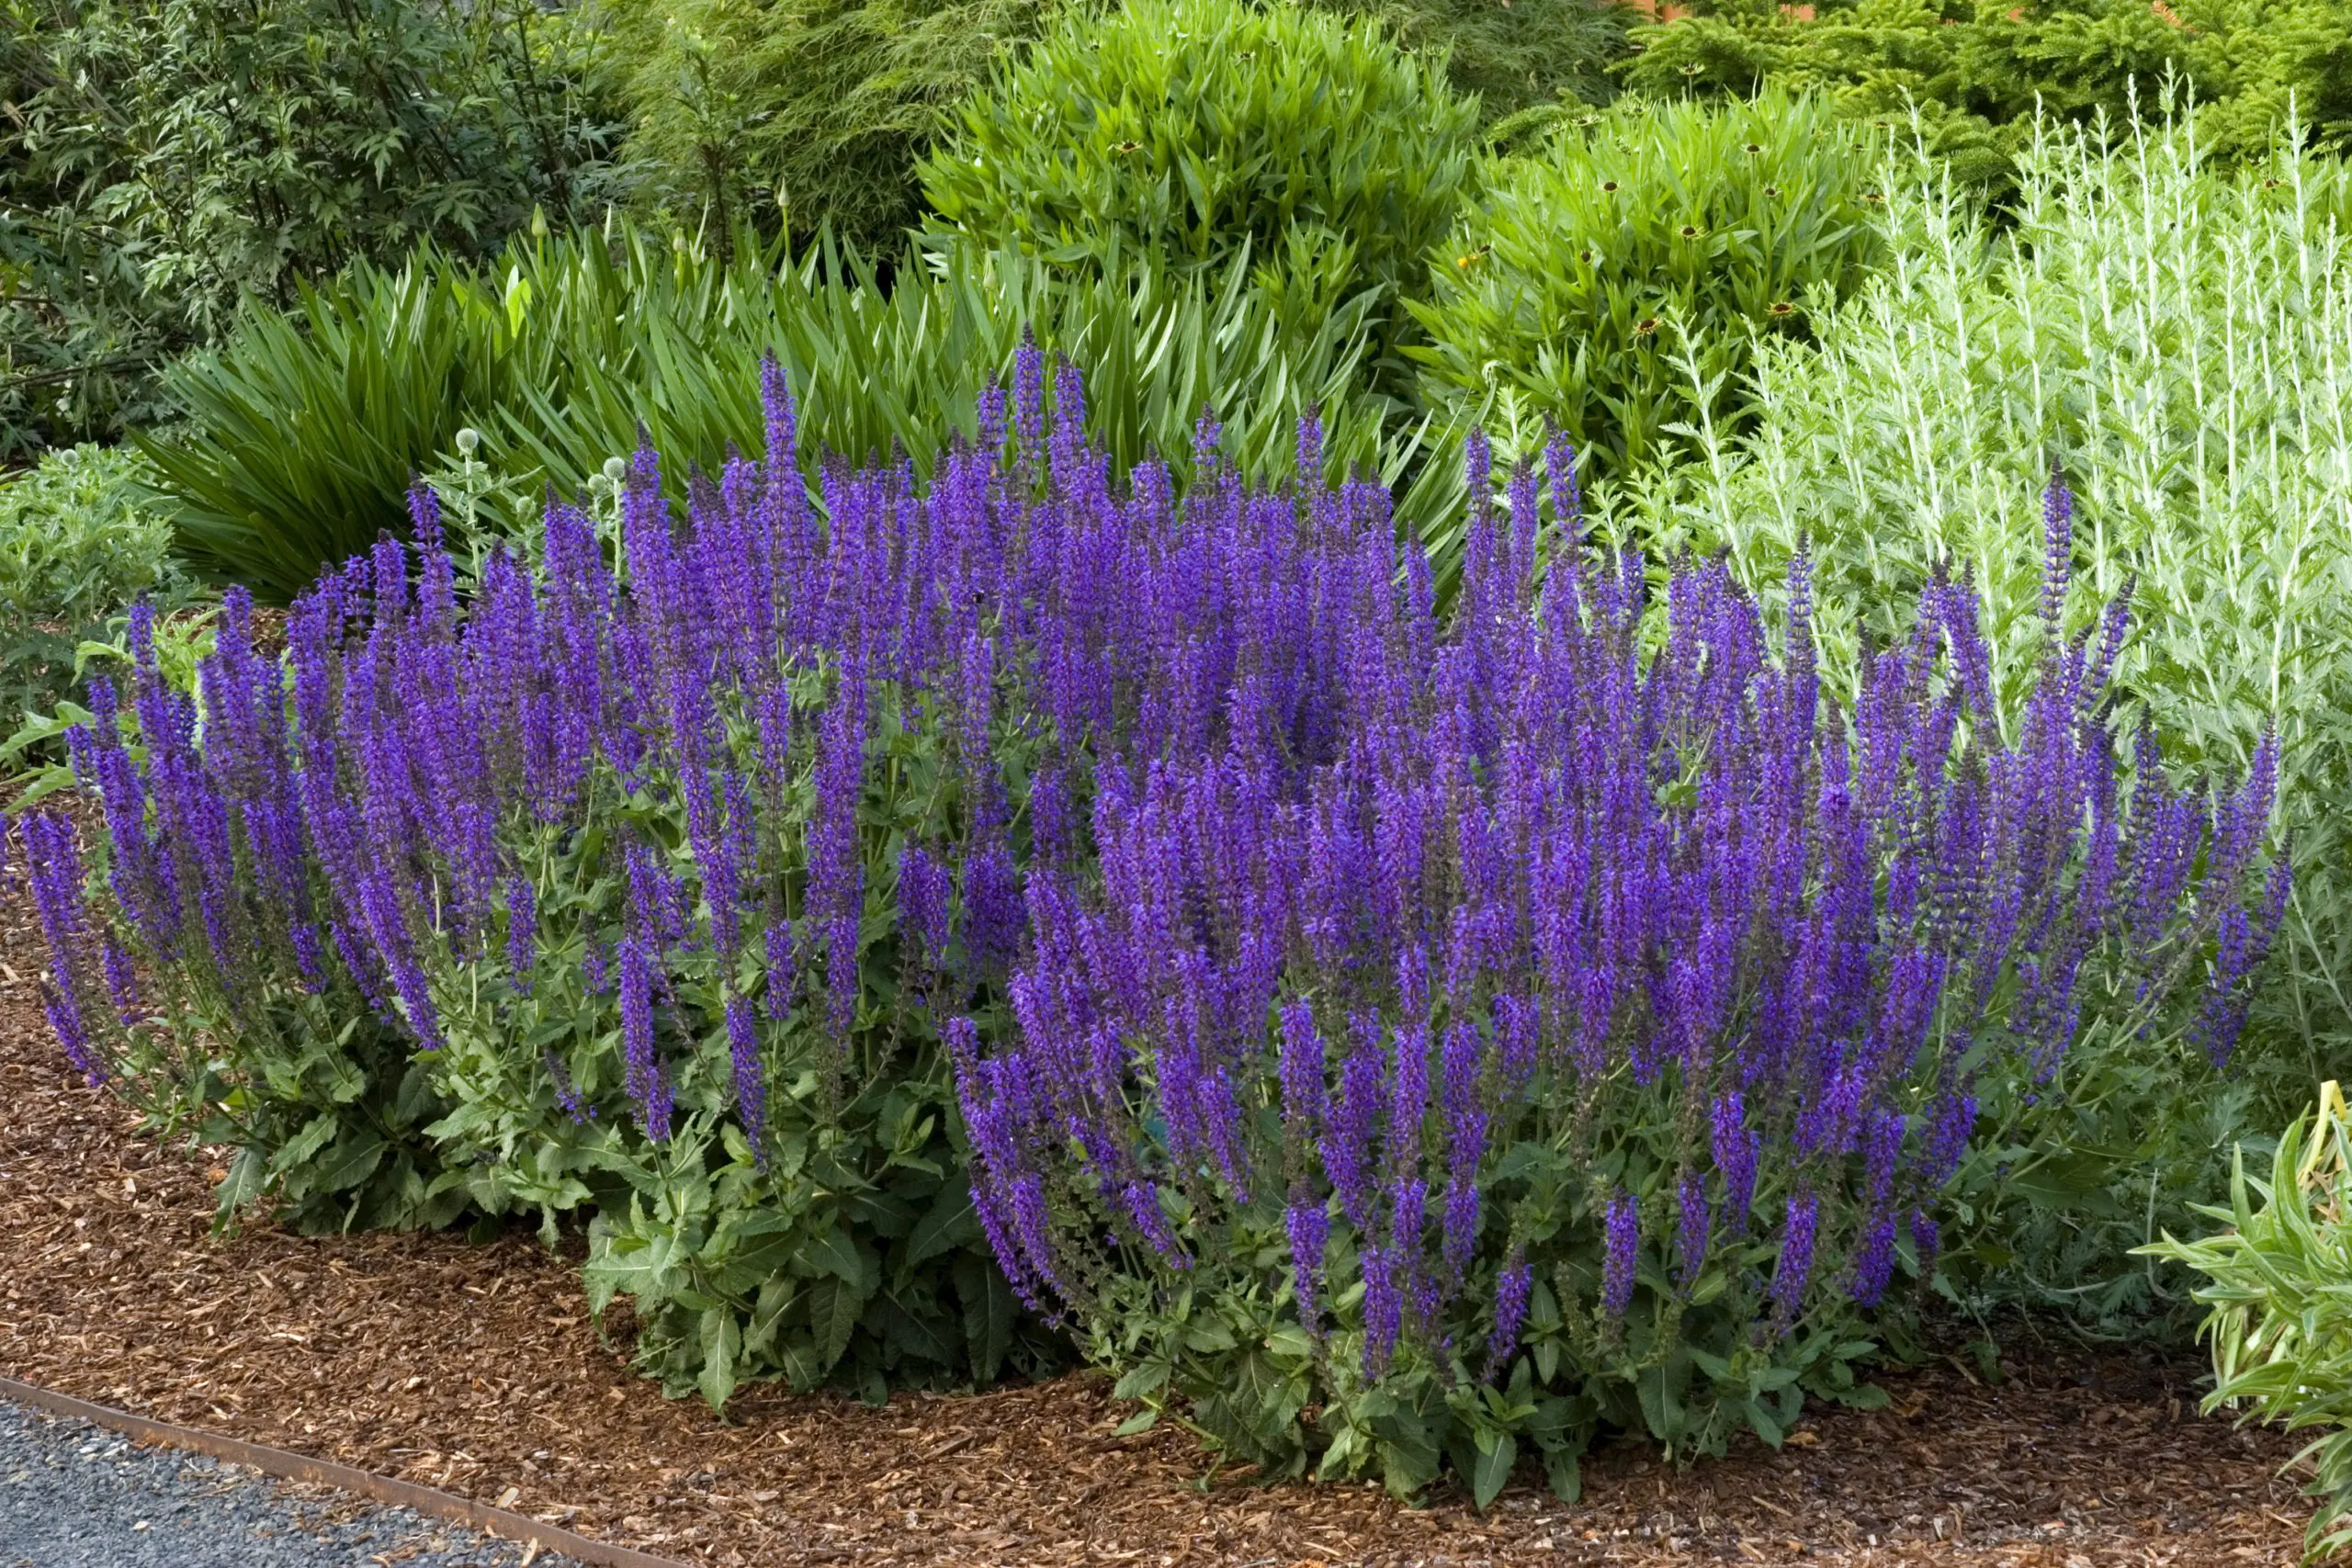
1509 1025
1473 1026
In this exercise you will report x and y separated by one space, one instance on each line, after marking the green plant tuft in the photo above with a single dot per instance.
1204 129
304 431
2276 1284
1613 280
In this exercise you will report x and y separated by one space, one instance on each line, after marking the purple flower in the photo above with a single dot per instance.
1692 1228
1737 1151
1927 1240
750 1085
1511 1292
1347 1142
924 894
1621 1245
1796 1267
1307 1227
521 933
122 983
1384 1309
1875 1264
647 1086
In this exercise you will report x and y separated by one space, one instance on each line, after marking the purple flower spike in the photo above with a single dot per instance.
1308 1228
1512 1290
1795 1268
1621 1245
521 933
751 1083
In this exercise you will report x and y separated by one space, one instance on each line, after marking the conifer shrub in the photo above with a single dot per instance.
798 114
1982 72
1526 55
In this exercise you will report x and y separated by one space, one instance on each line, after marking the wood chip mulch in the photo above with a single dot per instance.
475 1369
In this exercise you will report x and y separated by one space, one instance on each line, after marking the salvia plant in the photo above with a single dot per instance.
1510 1026
2166 328
1385 1034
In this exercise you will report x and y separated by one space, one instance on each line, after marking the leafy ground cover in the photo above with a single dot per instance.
474 1368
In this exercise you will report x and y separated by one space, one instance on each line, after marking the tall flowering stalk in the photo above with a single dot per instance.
1472 991
1660 987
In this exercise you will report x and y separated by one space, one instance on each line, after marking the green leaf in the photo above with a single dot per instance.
835 1307
1494 1468
832 1251
950 1222
1143 1381
353 1160
989 1311
246 1174
303 1146
1560 1467
722 1342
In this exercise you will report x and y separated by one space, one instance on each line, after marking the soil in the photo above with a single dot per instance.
476 1369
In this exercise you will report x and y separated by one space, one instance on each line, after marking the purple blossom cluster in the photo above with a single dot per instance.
1244 880
1563 871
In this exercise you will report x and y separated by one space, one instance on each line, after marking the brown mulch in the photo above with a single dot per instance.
475 1369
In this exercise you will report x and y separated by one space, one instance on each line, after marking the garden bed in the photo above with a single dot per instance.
474 1369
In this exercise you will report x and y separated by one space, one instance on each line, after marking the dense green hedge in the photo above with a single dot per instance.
1982 70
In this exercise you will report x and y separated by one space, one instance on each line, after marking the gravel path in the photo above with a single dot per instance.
74 1496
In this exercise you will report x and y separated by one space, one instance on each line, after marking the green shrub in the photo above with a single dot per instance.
2169 337
163 159
1515 57
1203 130
303 431
799 113
81 533
1635 245
2276 1281
1983 69
81 536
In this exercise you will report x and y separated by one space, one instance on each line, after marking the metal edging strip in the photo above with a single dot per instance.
285 1466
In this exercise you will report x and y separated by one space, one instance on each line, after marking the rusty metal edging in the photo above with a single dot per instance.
385 1489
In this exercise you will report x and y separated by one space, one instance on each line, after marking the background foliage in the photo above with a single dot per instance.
302 433
1612 282
1982 70
163 159
1515 57
798 114
82 534
1196 130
